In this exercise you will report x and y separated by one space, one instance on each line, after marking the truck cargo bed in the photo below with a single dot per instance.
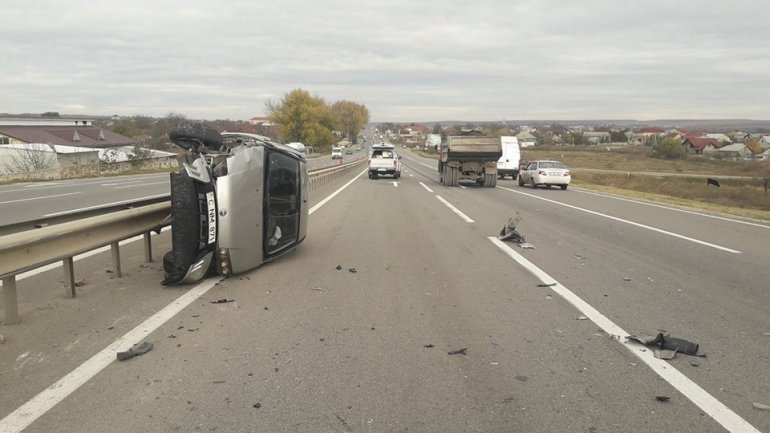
486 148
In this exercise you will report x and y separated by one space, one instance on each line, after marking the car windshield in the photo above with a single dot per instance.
551 164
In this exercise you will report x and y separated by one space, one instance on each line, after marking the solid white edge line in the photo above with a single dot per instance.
38 405
426 187
140 184
644 226
708 403
334 194
705 215
454 209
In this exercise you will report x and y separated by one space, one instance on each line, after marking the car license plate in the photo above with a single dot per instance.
211 209
381 169
553 173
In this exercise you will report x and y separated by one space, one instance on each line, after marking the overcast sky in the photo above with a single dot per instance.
418 60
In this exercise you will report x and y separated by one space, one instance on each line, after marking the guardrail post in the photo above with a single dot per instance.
115 247
10 301
69 277
147 248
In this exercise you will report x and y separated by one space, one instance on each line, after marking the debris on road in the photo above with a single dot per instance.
222 301
626 279
339 267
521 378
526 246
546 285
665 354
257 405
135 351
428 346
509 230
352 270
80 283
581 317
663 398
760 406
666 342
458 351
2 339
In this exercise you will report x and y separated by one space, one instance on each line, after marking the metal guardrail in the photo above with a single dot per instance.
34 244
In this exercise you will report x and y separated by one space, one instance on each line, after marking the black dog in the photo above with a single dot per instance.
712 181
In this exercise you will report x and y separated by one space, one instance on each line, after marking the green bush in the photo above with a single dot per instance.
669 148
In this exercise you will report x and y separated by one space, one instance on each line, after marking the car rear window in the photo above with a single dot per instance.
551 164
382 153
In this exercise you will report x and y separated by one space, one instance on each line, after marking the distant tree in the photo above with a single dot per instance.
619 136
142 122
350 117
50 114
754 146
162 127
669 148
437 128
124 127
299 116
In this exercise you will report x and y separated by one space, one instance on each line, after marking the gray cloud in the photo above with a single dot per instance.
405 60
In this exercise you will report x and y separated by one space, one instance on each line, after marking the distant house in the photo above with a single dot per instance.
721 137
696 145
59 131
526 139
735 151
597 137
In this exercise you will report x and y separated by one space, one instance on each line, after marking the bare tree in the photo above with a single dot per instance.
29 157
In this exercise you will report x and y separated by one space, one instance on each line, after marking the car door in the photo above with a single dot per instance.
530 170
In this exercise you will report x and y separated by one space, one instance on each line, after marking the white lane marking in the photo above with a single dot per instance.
141 184
120 183
42 185
395 184
764 226
104 205
454 209
332 195
26 414
38 198
710 405
426 187
644 226
36 407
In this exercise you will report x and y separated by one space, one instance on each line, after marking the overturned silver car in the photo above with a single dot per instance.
239 201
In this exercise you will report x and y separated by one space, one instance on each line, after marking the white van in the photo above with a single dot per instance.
336 152
508 164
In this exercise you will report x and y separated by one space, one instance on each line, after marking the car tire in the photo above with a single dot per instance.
490 180
521 181
563 187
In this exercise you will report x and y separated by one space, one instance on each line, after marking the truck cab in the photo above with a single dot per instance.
240 200
336 152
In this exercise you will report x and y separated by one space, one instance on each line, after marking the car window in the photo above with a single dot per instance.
282 202
532 166
551 164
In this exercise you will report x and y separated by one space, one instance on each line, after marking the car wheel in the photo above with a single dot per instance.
521 181
563 187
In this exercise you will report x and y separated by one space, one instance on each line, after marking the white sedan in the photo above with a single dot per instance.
545 173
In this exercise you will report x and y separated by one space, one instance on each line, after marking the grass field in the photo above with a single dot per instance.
740 197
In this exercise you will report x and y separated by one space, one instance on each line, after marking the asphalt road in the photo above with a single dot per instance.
307 347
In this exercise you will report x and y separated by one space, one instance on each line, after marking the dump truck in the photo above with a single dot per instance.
469 157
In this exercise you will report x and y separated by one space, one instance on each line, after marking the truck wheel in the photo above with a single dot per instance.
563 187
521 181
455 176
443 176
490 180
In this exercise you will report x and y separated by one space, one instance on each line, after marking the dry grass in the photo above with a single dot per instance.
741 197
